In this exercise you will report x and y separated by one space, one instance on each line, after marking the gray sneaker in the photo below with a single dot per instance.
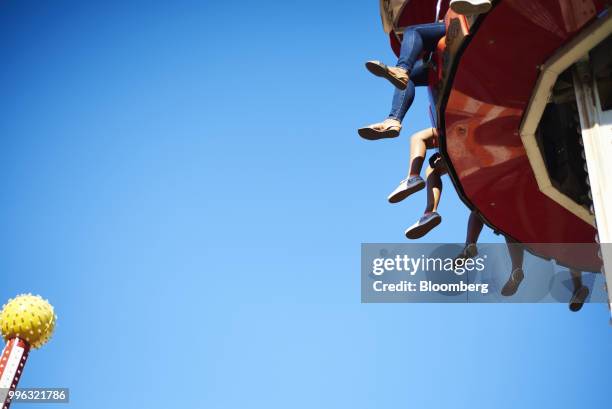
423 226
406 188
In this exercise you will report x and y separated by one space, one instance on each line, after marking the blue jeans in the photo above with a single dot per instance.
402 100
418 38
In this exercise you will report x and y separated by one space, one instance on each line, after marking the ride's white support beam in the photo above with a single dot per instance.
597 140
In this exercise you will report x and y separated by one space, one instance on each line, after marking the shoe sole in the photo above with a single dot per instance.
399 196
420 231
577 302
468 9
373 135
381 70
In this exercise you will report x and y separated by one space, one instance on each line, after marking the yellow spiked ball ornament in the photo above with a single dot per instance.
28 317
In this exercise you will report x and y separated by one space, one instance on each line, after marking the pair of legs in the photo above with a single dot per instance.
420 142
430 217
474 228
517 254
408 73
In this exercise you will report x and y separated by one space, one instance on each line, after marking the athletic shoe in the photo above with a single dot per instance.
389 128
406 188
470 7
396 75
423 226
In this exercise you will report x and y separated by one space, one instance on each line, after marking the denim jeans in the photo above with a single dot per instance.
402 100
418 38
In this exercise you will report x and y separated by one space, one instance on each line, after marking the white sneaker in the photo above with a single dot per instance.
406 188
427 222
470 7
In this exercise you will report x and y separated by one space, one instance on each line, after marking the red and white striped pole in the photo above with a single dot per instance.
26 322
13 360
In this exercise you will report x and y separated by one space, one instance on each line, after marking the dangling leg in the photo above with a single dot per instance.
517 275
434 189
474 228
416 39
402 100
580 293
419 143
430 218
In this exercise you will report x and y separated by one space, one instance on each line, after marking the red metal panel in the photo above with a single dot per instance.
491 89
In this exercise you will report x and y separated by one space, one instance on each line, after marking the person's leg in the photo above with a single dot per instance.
416 39
474 228
402 100
419 143
576 278
517 254
580 292
434 189
517 275
430 218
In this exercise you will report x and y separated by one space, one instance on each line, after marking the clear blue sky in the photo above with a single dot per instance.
184 182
